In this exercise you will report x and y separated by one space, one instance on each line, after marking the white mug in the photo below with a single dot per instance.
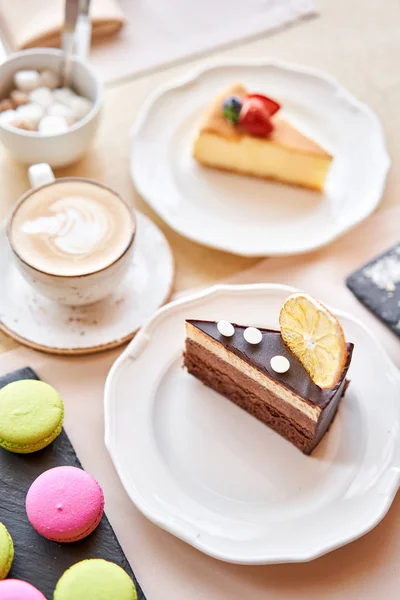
60 149
72 290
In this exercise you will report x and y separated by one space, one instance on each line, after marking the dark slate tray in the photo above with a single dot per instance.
375 285
37 560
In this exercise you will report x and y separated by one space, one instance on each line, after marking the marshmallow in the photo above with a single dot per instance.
252 335
49 79
80 107
32 113
61 110
42 96
19 98
6 104
225 328
8 117
26 81
40 105
63 95
24 125
52 125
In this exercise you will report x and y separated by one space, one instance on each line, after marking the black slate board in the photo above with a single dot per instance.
37 560
376 285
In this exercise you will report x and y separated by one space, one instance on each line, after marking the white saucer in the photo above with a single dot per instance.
39 323
206 471
244 215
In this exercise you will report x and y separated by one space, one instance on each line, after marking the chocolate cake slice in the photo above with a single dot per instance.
290 402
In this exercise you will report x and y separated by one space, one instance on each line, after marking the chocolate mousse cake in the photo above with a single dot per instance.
255 369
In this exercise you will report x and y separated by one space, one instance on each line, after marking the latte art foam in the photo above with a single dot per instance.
71 228
78 227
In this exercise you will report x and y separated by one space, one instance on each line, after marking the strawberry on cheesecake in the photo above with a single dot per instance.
242 132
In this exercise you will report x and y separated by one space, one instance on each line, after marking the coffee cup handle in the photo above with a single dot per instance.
40 174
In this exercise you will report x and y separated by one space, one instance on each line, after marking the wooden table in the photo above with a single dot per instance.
356 41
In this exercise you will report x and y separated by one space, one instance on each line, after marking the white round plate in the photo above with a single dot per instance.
244 215
205 470
35 321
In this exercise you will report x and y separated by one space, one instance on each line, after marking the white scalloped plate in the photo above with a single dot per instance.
206 471
244 215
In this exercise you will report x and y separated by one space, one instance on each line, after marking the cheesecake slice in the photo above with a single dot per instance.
289 402
285 154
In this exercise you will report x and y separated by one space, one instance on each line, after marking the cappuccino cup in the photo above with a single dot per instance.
72 238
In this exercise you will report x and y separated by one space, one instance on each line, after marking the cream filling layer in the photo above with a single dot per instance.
194 334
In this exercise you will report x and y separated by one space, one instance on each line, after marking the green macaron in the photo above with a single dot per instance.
6 551
96 579
31 415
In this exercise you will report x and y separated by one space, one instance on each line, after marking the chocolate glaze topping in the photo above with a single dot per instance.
259 356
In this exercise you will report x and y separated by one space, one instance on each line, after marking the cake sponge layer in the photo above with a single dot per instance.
258 157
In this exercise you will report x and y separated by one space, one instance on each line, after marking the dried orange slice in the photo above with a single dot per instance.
315 337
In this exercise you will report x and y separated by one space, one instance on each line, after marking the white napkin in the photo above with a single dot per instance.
159 32
32 23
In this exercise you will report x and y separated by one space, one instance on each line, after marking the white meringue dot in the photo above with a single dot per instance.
225 328
252 335
280 364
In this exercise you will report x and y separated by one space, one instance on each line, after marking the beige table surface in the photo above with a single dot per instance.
358 41
169 569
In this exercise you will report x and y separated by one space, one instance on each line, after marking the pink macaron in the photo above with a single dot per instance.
14 589
65 504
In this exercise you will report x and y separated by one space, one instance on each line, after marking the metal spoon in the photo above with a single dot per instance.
76 35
